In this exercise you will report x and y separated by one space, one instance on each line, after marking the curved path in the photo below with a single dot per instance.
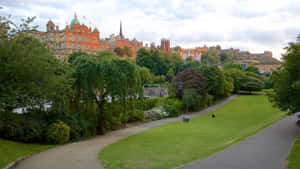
268 149
84 154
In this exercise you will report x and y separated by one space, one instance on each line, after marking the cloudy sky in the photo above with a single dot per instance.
253 25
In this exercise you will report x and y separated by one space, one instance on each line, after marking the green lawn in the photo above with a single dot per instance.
294 159
178 143
11 151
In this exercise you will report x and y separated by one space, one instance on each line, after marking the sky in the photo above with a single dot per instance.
251 25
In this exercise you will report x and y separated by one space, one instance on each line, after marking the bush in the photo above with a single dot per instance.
58 133
172 110
1 127
173 106
20 127
191 100
152 102
156 113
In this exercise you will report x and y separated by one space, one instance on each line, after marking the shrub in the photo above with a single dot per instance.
58 133
191 100
1 127
152 102
172 110
156 113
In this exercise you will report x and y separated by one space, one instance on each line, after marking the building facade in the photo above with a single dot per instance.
78 37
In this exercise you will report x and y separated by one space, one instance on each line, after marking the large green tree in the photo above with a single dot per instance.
30 76
102 80
286 81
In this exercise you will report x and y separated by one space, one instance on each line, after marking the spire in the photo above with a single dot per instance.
121 33
75 16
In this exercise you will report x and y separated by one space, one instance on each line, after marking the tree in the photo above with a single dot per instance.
119 51
30 76
226 58
216 80
189 79
99 78
251 83
231 66
286 81
211 57
253 69
127 51
145 75
236 75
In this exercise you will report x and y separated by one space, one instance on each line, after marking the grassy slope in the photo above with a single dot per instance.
11 151
294 159
178 143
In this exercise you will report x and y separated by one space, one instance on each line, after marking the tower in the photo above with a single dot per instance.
121 32
50 26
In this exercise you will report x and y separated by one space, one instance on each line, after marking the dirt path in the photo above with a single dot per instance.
84 154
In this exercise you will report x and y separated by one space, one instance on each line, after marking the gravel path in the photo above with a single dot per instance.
84 154
268 149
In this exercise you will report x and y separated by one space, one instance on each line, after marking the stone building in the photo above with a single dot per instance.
194 53
78 37
120 41
165 45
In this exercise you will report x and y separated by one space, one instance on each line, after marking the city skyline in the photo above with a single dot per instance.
193 23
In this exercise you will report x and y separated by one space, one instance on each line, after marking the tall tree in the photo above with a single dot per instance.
30 76
98 79
286 81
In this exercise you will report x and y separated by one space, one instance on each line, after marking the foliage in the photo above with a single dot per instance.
94 84
146 77
152 102
58 133
199 139
226 58
75 55
158 62
251 83
127 51
191 63
252 69
30 76
189 79
156 113
211 57
228 66
286 80
190 100
237 75
1 127
216 81
160 79
119 51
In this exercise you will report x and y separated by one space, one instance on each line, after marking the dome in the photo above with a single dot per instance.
75 20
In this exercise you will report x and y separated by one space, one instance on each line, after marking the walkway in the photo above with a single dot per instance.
268 149
84 154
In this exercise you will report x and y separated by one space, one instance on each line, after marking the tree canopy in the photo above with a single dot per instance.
286 81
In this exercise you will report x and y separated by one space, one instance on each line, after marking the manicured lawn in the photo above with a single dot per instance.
294 159
11 151
178 143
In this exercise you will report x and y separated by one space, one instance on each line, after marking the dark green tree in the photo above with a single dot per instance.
30 76
119 51
286 81
190 79
98 79
253 69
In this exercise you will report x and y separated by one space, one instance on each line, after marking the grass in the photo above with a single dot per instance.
11 151
294 158
178 143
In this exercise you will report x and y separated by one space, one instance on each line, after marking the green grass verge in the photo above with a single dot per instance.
11 151
178 143
294 158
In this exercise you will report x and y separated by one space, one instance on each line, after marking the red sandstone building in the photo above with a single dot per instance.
78 37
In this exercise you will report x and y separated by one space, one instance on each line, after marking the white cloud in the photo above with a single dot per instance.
254 25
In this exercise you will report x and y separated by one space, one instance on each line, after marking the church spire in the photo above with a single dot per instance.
121 32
